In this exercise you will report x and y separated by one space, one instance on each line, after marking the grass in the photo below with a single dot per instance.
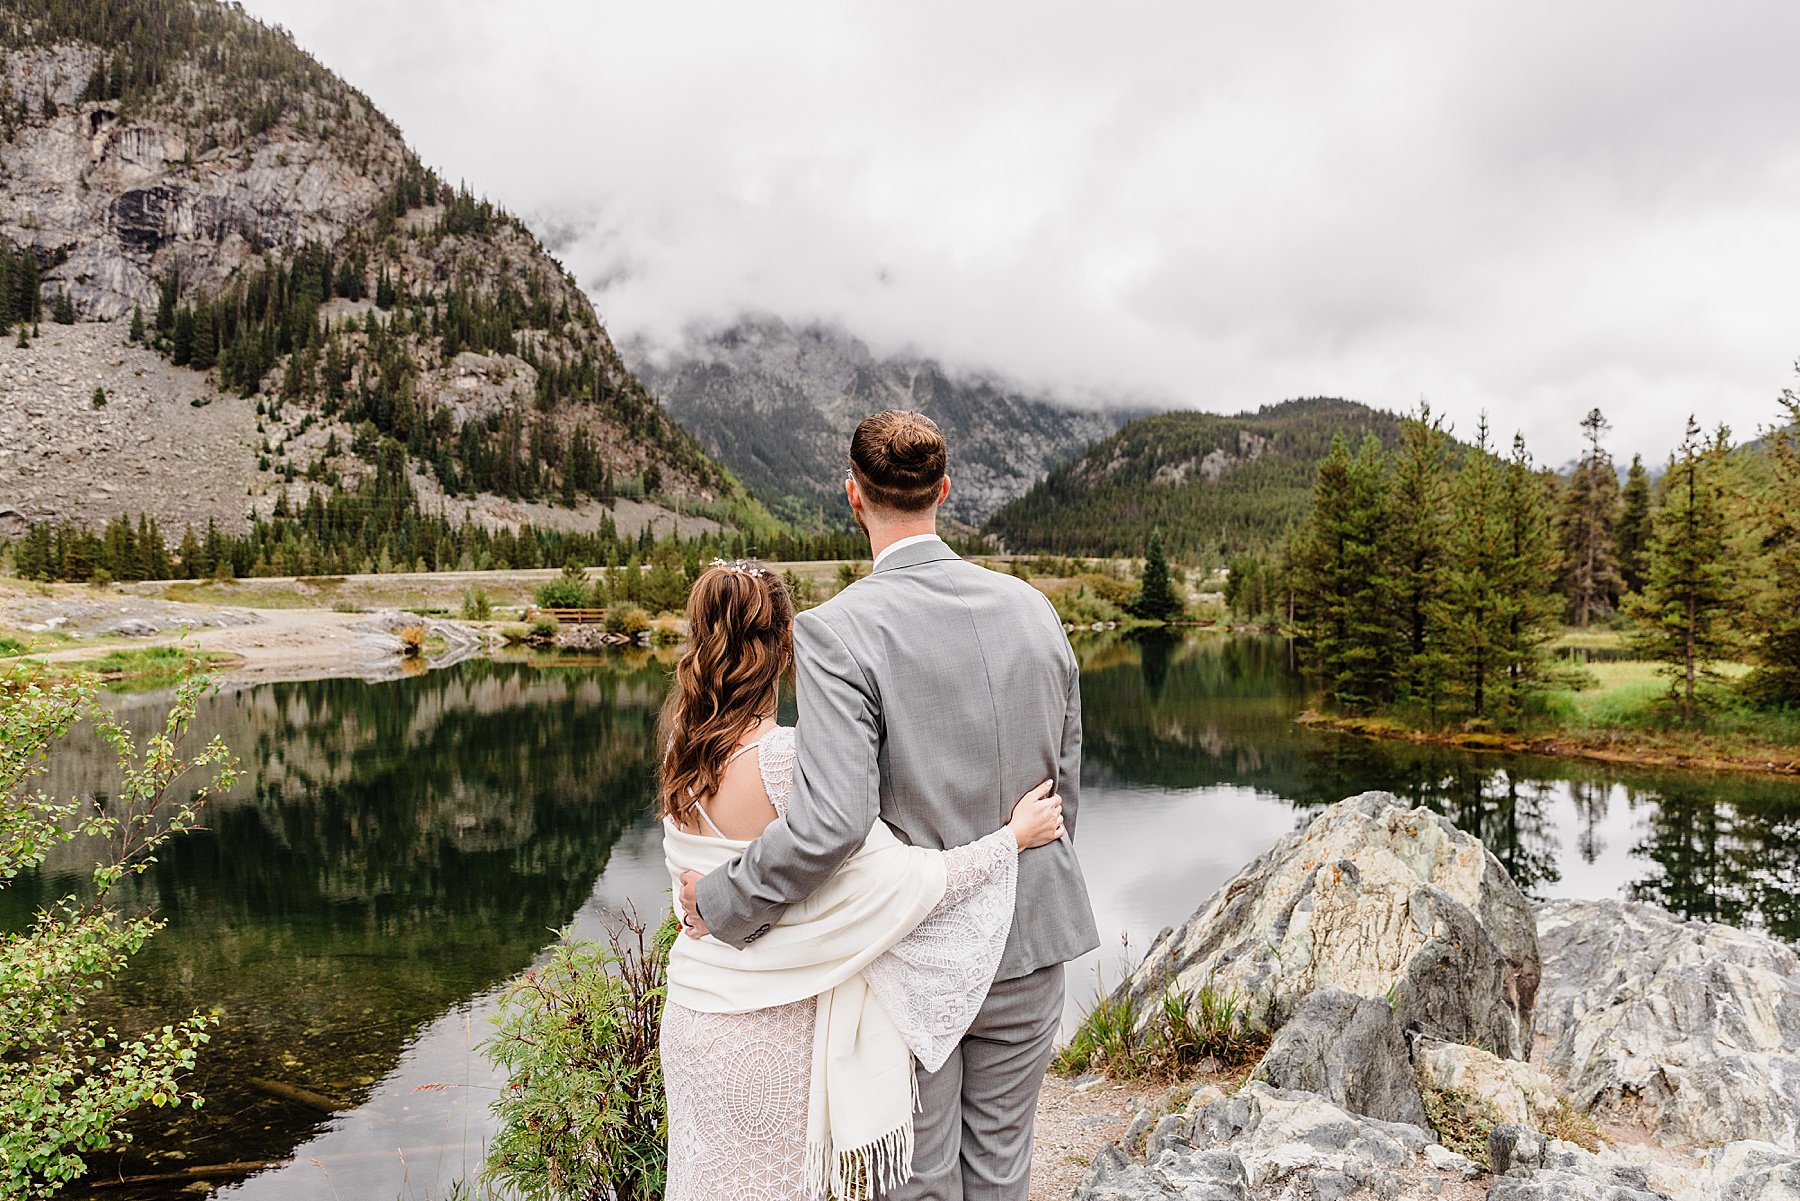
1620 710
1461 1122
1181 1035
145 662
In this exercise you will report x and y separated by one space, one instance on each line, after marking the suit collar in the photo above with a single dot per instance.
926 550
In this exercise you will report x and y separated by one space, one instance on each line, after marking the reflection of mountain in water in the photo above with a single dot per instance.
1213 711
392 850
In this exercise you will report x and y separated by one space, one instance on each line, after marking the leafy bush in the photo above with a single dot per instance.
476 606
583 1114
67 1082
543 629
627 619
567 591
412 640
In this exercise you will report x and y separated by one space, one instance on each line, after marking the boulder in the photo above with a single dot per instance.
1376 899
1348 1049
1519 1092
1263 1144
1692 1028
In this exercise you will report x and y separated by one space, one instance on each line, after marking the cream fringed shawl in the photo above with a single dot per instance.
859 1115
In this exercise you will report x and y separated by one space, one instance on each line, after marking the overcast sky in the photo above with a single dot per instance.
1529 209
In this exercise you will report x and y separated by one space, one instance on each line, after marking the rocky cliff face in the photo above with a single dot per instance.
114 196
777 405
168 156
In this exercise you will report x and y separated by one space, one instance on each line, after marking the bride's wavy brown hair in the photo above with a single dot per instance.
739 647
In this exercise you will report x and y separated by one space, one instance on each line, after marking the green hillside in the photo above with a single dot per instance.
1215 485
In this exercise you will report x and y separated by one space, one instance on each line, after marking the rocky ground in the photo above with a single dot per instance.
165 442
1578 1051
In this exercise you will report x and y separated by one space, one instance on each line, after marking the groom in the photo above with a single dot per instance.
932 695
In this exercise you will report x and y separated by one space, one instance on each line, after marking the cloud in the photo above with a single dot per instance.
1525 210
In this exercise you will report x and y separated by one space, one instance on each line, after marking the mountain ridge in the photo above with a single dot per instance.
185 165
777 402
1213 484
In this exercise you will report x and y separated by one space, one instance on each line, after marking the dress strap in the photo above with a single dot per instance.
729 759
707 818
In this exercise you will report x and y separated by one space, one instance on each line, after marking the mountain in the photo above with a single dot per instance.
777 404
1212 484
314 302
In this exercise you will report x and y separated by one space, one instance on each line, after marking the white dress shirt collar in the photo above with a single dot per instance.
891 547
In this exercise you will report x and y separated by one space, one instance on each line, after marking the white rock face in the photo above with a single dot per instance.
1378 900
1690 1027
1520 1092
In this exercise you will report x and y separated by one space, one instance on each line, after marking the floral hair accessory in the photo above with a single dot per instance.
741 567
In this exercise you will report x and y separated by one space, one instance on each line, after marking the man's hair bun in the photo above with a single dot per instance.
899 459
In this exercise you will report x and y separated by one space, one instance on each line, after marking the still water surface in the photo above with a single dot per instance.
396 852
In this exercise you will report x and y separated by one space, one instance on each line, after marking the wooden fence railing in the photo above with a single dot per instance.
588 617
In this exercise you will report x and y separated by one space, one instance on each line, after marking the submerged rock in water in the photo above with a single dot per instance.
1378 900
1691 1027
1350 1050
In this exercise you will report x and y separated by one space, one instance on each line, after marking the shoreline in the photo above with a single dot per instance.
1564 746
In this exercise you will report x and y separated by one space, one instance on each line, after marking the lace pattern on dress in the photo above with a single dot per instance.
933 982
738 1083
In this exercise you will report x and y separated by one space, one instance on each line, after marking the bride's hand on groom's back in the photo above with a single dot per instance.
1037 819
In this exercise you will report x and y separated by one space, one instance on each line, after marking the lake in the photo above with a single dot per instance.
396 852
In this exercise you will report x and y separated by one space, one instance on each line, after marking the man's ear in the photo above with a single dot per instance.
943 490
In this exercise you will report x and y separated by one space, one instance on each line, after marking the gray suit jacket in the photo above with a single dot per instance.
933 694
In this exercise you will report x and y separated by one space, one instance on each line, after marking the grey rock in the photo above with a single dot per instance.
1374 898
1754 1171
1691 1026
1350 1050
1259 1145
1443 1159
1513 1148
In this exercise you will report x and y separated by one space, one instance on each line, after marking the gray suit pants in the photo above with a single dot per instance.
972 1136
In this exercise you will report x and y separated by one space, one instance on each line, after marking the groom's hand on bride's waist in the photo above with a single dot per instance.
692 924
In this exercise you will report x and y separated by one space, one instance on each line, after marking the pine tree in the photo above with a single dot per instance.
1343 580
1775 625
1590 512
1527 569
63 312
1692 590
1472 607
1420 546
1632 537
1156 598
137 324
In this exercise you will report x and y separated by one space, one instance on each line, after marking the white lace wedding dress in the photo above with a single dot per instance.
737 1082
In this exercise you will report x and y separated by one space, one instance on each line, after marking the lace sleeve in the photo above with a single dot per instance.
775 760
933 982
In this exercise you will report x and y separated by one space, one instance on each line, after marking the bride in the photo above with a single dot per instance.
789 1063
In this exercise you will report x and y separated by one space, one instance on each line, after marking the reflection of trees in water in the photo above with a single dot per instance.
1735 861
1214 711
401 847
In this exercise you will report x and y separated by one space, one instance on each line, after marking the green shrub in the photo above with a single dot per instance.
69 1082
567 591
583 1114
627 619
543 628
476 606
11 646
98 399
1182 1033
